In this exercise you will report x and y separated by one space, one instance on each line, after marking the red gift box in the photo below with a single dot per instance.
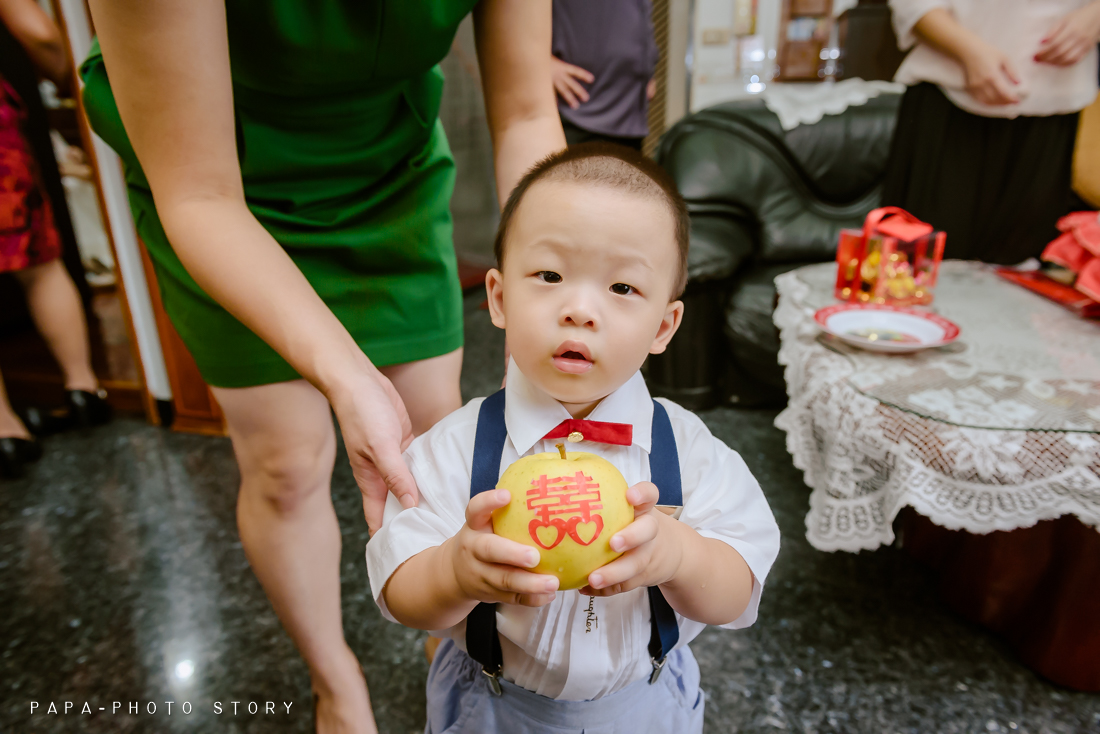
894 259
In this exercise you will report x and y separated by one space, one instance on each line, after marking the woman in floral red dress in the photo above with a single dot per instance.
30 247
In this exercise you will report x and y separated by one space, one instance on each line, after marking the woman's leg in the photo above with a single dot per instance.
59 316
285 444
10 424
429 388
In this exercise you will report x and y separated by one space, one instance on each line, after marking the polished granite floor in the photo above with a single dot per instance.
122 584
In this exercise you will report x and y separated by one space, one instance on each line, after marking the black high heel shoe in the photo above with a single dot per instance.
87 409
41 422
15 453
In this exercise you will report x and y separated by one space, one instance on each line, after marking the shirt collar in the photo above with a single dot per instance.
529 413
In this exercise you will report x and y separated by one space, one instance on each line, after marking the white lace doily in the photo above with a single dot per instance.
995 432
806 103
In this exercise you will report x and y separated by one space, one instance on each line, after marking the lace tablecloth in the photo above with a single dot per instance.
995 432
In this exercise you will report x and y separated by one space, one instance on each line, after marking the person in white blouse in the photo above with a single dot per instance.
592 257
985 133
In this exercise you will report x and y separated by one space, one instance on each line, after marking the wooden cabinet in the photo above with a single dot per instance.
804 30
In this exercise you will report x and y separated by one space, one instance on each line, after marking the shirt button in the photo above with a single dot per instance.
575 437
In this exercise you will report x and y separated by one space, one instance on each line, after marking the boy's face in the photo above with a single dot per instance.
584 296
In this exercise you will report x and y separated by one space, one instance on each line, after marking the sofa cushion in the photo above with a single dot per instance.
752 336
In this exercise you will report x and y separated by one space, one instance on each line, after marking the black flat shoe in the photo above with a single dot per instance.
87 409
15 453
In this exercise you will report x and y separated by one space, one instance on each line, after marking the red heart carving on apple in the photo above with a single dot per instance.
594 524
538 525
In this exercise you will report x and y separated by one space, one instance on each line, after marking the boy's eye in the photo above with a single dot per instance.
622 289
548 276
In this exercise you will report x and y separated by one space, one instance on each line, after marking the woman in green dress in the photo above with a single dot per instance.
290 179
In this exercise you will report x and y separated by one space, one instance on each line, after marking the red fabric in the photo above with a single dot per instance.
1066 251
1079 250
619 434
1088 279
28 236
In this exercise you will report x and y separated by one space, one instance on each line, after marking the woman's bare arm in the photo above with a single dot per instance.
39 36
513 49
168 62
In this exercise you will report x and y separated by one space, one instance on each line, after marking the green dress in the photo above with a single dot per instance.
344 162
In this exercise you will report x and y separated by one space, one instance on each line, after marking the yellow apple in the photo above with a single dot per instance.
566 506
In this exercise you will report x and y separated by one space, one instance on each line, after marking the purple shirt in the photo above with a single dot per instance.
613 39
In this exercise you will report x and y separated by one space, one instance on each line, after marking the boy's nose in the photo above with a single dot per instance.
577 314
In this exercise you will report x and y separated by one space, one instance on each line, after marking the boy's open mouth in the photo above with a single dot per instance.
573 358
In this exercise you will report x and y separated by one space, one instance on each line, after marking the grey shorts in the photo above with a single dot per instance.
459 701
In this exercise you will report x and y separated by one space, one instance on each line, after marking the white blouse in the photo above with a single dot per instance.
1015 27
578 647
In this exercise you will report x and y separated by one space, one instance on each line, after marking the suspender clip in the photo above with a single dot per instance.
658 666
494 681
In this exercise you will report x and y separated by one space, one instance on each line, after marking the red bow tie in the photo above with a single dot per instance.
620 434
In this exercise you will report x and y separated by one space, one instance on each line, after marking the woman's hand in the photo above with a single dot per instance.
40 38
1071 37
376 429
489 568
651 550
990 77
565 78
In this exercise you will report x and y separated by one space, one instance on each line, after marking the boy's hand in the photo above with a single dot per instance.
651 548
489 568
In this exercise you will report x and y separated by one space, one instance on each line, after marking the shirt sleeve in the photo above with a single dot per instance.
440 463
906 14
723 501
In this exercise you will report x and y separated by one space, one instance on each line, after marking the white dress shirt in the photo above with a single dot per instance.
561 650
1015 27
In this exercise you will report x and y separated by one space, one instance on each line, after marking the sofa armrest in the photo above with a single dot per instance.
720 245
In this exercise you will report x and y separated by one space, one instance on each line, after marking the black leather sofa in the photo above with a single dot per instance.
762 201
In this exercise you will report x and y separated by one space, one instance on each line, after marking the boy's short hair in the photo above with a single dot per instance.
614 166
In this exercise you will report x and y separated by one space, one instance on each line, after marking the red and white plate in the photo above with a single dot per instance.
882 328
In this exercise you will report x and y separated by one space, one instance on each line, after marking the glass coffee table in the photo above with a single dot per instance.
991 440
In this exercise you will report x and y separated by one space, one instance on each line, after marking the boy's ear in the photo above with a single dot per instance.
674 314
494 288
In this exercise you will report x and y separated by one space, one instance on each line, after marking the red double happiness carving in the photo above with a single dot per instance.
575 497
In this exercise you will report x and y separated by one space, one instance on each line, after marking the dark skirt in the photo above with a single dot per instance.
996 186
576 135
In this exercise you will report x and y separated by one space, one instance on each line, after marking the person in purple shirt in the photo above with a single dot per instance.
604 57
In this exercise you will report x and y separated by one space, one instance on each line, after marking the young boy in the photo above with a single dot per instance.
591 256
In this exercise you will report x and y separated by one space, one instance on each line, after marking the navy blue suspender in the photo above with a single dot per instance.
482 642
664 471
